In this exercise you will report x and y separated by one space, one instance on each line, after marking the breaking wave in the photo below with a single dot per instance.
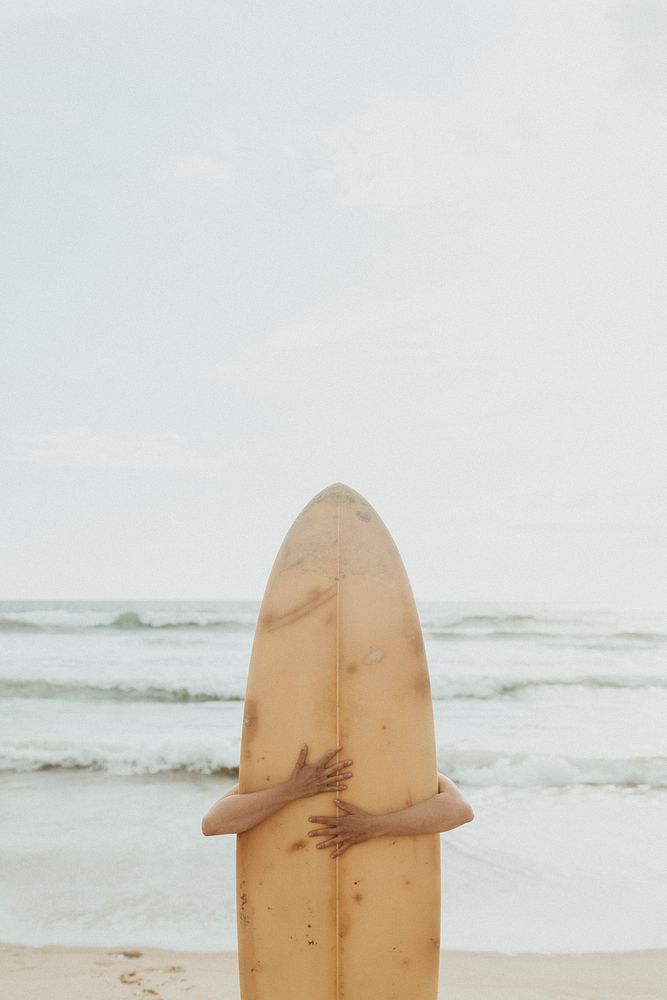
443 627
553 770
111 692
475 768
125 620
443 688
113 760
579 638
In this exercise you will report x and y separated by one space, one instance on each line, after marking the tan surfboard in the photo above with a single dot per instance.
338 659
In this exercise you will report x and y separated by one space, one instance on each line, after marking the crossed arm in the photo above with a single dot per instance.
235 812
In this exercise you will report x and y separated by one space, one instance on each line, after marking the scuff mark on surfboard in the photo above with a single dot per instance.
292 565
422 684
245 919
374 656
250 718
271 621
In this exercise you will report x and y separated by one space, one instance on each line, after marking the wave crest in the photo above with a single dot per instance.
473 768
551 770
124 620
474 687
111 692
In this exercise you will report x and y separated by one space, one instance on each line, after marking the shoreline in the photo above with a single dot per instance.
52 972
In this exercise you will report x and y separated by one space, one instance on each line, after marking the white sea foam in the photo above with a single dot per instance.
493 685
474 768
552 770
41 756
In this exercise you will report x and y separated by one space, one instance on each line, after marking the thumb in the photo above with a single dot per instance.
346 806
303 753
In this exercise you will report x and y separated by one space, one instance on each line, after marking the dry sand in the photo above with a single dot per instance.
54 973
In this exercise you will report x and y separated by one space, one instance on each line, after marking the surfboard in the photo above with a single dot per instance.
338 660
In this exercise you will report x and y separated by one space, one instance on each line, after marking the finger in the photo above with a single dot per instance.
325 758
327 820
337 766
345 805
337 775
329 843
303 753
339 850
334 788
325 831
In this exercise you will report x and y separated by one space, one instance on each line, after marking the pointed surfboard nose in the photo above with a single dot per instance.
338 493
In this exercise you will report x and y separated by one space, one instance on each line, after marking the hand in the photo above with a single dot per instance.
353 828
311 779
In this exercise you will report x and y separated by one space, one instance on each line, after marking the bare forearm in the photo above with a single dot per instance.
435 815
236 813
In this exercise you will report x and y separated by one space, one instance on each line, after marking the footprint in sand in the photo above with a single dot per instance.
173 974
133 978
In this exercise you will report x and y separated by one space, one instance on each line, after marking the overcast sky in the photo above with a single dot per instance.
255 248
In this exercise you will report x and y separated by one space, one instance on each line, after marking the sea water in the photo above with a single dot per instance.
120 725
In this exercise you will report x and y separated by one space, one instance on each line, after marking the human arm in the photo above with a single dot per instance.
237 811
444 811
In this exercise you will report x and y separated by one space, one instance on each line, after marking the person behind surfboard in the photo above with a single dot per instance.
235 812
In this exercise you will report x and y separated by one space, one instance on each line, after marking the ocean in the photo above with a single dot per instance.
120 724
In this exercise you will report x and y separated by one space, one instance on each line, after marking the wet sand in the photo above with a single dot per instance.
55 973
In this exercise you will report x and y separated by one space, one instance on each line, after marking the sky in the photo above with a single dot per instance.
251 249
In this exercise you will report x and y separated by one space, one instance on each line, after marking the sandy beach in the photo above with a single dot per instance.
54 973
